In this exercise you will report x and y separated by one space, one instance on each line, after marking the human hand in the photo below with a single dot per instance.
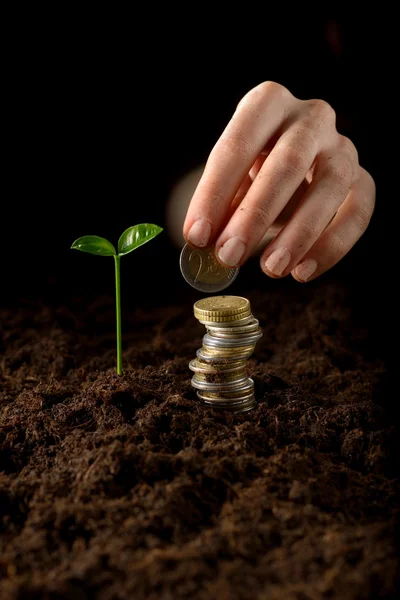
281 166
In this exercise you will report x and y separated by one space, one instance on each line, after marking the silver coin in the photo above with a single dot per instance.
218 336
217 359
226 402
239 401
202 271
226 395
238 342
227 331
220 387
234 388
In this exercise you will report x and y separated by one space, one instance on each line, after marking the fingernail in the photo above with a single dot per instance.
278 261
232 252
306 268
199 233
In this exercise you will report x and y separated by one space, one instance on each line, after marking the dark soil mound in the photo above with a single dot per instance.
127 488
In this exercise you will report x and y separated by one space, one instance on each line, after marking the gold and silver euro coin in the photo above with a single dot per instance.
202 271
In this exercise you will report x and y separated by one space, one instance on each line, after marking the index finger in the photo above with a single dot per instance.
257 119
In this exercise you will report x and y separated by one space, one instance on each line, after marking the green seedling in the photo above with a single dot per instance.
131 239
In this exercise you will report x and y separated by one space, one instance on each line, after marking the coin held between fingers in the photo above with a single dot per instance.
202 271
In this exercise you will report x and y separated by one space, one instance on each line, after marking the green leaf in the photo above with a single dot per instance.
136 236
94 245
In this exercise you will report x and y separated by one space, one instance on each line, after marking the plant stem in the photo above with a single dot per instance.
118 312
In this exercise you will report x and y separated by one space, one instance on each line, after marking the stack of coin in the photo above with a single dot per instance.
220 367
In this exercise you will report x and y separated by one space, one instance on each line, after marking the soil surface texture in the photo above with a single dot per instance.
128 488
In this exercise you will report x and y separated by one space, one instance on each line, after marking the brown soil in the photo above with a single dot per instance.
127 488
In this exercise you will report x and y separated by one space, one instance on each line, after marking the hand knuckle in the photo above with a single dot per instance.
264 93
294 159
321 110
271 88
340 174
306 138
348 148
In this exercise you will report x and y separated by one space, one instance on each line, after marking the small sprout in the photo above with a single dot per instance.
131 239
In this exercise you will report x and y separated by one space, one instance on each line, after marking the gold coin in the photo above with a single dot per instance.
223 365
225 352
217 377
221 324
228 398
221 306
229 319
199 366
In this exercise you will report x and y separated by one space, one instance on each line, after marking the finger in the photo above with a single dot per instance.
278 179
258 117
258 164
290 207
342 233
244 188
334 173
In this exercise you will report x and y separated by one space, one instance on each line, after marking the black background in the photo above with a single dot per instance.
107 111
